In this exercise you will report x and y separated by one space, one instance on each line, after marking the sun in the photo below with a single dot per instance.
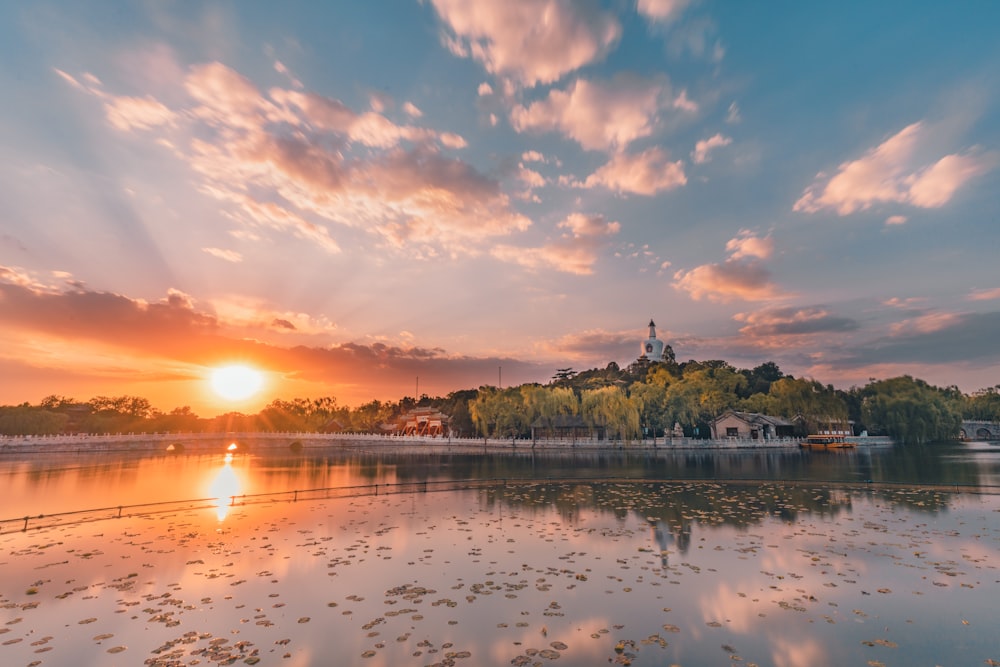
236 383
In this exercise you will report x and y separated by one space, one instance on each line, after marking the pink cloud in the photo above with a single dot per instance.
286 161
895 171
701 151
141 113
645 173
411 110
725 282
599 115
746 244
662 11
575 251
530 41
742 276
775 325
984 294
924 324
896 220
227 255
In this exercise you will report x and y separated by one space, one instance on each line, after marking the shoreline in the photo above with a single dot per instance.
176 443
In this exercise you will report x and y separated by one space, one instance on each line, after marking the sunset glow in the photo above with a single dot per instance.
354 197
236 383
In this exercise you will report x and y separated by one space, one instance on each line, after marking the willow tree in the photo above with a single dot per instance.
548 403
910 411
609 408
815 403
499 412
651 401
702 394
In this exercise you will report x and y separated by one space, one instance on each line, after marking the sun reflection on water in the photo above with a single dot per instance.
224 486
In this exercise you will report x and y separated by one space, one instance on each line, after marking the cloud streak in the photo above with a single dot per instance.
896 171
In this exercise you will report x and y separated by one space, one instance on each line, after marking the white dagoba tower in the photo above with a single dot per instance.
652 347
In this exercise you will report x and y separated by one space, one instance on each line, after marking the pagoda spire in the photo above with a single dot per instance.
652 328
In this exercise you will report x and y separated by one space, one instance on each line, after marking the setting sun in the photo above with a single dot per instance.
236 382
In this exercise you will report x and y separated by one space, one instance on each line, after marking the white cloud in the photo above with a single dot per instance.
895 171
733 114
701 151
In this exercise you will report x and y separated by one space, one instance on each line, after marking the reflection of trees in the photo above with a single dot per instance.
674 508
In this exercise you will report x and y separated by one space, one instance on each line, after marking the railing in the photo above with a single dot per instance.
143 441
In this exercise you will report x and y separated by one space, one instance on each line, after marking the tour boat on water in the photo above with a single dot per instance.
825 442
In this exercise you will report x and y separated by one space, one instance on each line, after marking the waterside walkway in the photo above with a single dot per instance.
265 441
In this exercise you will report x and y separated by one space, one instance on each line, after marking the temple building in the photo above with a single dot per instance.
652 347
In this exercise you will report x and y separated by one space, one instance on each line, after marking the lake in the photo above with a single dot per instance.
874 556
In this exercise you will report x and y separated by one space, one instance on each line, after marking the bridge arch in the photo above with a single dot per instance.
983 433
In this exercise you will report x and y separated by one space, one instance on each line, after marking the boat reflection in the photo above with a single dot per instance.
224 487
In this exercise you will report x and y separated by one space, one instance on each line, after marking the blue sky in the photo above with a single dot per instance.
351 195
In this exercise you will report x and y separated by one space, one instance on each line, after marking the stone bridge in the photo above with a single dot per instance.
979 430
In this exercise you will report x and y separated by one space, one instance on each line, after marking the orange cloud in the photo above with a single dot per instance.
92 337
529 41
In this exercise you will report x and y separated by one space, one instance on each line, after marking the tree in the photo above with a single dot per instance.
651 401
609 408
703 393
26 420
814 403
910 411
983 404
499 412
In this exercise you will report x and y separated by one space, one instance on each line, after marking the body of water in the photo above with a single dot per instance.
787 558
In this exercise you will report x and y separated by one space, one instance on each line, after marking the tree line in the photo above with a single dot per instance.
644 400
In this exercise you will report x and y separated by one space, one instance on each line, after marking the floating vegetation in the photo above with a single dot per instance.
532 574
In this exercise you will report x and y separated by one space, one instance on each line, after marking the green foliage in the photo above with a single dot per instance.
910 411
983 404
25 420
610 409
645 397
499 412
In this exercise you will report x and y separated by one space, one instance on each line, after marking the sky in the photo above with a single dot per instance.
371 200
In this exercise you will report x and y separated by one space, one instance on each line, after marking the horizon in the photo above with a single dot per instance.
354 206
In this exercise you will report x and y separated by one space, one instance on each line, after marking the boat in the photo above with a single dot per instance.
826 442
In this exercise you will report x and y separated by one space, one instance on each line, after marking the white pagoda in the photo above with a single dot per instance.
652 347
